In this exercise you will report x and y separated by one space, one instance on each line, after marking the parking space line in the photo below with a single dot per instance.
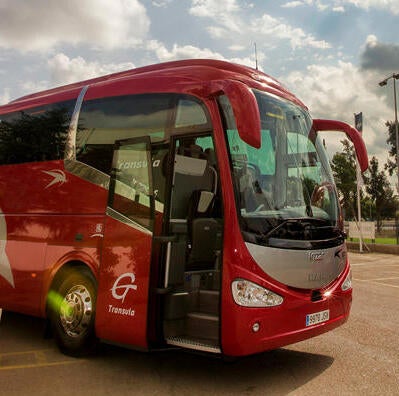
382 279
377 283
373 263
39 357
386 284
24 352
36 365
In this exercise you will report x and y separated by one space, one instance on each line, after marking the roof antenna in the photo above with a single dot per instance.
256 57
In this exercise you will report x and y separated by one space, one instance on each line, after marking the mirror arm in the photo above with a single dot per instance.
352 133
245 108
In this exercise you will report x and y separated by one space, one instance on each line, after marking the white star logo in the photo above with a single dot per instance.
58 177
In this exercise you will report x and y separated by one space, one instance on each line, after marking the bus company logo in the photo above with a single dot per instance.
58 176
316 256
98 231
122 285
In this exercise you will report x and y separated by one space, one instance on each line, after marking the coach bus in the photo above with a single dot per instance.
186 204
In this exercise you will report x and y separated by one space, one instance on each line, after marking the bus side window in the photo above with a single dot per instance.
103 121
33 135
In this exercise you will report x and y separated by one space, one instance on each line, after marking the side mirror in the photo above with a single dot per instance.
352 133
245 108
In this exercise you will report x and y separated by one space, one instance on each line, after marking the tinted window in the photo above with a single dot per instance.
190 113
104 121
131 188
37 134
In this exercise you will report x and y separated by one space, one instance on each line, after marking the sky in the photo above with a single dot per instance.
330 54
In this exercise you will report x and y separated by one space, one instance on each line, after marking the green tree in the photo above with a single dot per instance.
381 193
34 137
344 171
391 164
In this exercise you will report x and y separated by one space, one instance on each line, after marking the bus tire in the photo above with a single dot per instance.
72 312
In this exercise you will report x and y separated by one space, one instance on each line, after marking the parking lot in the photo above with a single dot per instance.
359 358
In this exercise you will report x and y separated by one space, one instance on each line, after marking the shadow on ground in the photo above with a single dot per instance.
118 370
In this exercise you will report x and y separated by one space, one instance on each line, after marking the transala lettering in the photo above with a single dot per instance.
121 311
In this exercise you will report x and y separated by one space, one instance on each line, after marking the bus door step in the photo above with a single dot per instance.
194 343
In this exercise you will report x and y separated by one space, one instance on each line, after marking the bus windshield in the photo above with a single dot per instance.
284 189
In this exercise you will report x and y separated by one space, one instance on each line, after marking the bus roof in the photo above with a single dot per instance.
194 69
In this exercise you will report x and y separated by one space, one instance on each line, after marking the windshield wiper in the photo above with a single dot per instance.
279 226
300 233
308 228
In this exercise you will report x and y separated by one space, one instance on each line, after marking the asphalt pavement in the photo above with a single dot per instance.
359 358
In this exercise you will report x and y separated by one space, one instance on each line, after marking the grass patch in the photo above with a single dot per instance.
382 241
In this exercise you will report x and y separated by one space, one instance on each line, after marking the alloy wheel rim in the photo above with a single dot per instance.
76 311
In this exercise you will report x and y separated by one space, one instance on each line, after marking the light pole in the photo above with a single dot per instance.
394 76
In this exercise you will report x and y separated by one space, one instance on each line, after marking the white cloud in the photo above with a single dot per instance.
274 28
338 9
28 87
389 5
319 4
224 13
209 8
338 5
163 54
247 61
5 96
181 52
371 41
228 22
161 3
237 47
64 70
337 92
293 4
42 25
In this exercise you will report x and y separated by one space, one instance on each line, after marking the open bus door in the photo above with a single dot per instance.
191 280
124 274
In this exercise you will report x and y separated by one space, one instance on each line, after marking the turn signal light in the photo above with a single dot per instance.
347 284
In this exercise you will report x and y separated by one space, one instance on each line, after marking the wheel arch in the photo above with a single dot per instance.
59 273
70 309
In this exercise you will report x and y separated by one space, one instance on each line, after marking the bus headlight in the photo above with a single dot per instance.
249 294
347 283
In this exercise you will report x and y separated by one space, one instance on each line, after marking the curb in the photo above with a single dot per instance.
374 248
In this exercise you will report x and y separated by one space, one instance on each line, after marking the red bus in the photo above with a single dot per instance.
187 204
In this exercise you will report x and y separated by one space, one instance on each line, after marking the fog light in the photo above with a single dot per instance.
255 327
249 294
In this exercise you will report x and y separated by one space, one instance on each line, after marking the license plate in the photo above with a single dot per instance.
317 317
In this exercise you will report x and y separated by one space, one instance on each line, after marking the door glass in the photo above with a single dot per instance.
131 183
194 169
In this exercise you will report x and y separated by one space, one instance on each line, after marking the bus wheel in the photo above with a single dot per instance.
72 313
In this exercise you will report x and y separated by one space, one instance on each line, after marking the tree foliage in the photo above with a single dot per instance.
391 164
379 203
34 137
344 171
380 192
